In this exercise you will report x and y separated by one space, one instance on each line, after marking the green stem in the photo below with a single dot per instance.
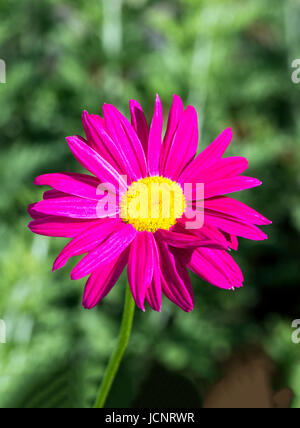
117 356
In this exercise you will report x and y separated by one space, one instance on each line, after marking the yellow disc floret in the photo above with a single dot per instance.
152 203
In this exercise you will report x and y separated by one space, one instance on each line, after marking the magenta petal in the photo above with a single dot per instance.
184 146
232 241
99 139
175 116
102 281
217 268
176 283
232 266
94 163
184 239
224 260
106 252
210 273
206 232
139 123
125 136
215 150
91 125
235 208
117 152
223 168
155 139
154 291
54 194
81 185
234 226
58 227
230 185
74 207
92 237
35 214
135 143
140 266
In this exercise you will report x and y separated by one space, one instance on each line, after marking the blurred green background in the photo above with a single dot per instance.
230 59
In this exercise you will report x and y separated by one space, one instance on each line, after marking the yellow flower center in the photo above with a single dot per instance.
152 203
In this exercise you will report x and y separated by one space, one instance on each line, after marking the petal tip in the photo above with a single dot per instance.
74 276
87 305
58 264
70 140
38 181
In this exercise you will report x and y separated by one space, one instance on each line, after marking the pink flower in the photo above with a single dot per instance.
157 249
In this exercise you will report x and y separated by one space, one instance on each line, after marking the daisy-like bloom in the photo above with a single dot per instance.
157 247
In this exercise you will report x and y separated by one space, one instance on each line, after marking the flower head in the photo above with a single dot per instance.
151 204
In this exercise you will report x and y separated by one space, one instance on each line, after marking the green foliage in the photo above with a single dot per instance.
229 58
